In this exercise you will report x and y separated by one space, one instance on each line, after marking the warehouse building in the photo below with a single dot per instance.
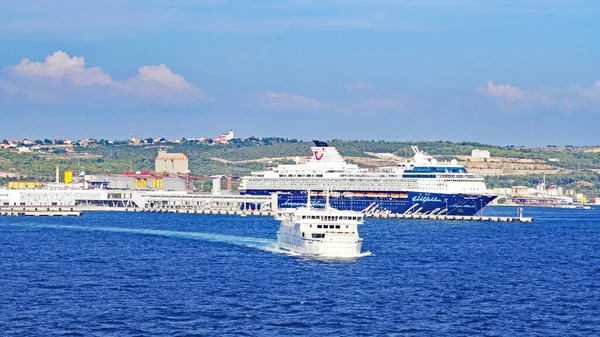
171 162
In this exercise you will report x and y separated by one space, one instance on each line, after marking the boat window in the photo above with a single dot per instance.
319 226
302 234
318 235
337 226
310 226
346 226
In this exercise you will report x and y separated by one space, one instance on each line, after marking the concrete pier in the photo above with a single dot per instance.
40 211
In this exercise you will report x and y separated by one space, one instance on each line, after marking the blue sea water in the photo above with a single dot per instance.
175 274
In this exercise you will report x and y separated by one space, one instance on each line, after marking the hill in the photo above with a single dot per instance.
571 167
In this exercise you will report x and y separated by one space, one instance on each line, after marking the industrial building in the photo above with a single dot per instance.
171 162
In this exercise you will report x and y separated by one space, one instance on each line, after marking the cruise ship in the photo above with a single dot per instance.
422 186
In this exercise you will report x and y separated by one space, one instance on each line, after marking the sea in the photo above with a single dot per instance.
149 274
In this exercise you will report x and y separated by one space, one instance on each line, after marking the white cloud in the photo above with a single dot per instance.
359 85
160 83
60 66
502 90
163 75
571 98
61 74
289 101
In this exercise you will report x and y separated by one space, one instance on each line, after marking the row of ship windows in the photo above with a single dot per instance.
329 226
377 178
371 181
343 182
328 218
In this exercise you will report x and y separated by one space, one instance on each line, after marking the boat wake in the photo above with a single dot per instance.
266 245
257 243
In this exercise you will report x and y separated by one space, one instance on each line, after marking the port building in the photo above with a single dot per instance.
171 162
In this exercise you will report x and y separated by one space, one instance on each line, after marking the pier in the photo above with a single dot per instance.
240 205
184 202
40 211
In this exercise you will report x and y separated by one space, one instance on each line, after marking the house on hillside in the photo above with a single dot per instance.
224 138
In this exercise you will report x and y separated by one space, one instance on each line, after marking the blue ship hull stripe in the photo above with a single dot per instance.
400 203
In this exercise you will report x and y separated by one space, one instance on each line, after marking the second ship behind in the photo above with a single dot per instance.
422 186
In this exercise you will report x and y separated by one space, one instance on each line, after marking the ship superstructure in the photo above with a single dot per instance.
420 186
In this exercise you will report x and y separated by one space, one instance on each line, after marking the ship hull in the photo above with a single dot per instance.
387 203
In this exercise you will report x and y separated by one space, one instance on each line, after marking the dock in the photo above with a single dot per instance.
197 203
452 217
40 211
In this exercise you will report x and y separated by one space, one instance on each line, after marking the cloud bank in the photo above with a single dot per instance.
285 101
571 98
60 76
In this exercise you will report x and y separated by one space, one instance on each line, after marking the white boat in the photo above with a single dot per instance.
322 232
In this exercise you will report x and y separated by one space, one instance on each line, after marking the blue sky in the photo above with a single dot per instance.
499 72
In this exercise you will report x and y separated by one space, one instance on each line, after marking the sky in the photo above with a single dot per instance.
503 72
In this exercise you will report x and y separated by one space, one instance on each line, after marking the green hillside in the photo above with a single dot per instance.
117 158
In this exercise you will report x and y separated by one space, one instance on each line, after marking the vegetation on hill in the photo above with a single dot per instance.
122 157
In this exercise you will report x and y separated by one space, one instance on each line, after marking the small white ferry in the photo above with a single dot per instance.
323 232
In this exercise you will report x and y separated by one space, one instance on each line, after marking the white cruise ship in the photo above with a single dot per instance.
422 186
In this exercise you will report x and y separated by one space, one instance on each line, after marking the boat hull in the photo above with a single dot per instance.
388 202
332 245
